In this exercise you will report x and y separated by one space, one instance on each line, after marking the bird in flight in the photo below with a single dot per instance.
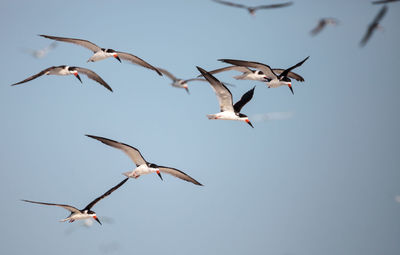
176 82
68 70
102 53
373 26
252 9
274 79
142 166
228 110
85 213
322 24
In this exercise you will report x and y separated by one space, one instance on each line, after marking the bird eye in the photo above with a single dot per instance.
260 72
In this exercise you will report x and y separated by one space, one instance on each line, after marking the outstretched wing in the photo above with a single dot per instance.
84 43
244 100
179 174
259 66
67 207
136 60
271 6
168 74
94 76
285 73
36 75
292 75
105 194
231 4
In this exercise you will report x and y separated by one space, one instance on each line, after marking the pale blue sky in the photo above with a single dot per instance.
323 181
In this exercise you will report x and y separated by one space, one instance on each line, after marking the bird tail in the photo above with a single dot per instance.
211 116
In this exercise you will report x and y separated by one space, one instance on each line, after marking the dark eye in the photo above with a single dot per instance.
260 72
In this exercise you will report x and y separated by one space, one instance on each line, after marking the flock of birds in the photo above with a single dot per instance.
250 70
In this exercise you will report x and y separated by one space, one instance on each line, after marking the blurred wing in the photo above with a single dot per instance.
94 76
179 174
292 75
105 194
36 75
136 60
84 43
380 15
262 67
223 94
67 207
367 35
319 27
195 79
285 72
230 4
168 74
244 100
132 152
384 1
242 69
270 6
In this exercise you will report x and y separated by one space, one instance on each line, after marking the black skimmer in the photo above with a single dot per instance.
254 75
228 111
373 26
85 213
252 9
68 70
102 53
274 77
384 1
142 166
176 82
322 23
42 52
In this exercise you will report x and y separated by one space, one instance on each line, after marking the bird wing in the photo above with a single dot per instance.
262 67
136 60
91 204
242 69
223 94
94 76
384 1
286 71
371 28
168 74
231 4
178 173
195 79
292 75
270 6
244 100
67 207
380 15
84 43
132 152
36 75
319 27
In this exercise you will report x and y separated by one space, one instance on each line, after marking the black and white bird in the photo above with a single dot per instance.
384 1
322 24
102 53
85 213
373 26
68 70
41 53
176 82
249 74
252 9
228 110
142 166
274 79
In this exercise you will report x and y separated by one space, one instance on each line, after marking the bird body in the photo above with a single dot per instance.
141 170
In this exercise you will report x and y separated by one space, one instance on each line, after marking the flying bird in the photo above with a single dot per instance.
249 74
322 24
176 82
41 53
384 1
142 166
68 70
273 78
102 53
85 213
373 26
252 9
228 111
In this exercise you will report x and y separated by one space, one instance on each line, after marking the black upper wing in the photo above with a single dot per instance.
244 100
285 73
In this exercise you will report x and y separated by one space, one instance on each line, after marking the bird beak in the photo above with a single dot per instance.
248 122
159 174
97 219
77 76
290 87
116 56
186 88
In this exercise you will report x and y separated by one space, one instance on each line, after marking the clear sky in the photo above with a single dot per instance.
320 177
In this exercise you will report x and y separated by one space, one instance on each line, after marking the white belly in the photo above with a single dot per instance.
224 116
178 84
60 72
276 83
100 55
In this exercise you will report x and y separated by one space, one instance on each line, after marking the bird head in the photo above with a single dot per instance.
114 54
75 72
245 118
94 216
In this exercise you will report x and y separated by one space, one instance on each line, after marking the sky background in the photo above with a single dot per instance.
320 178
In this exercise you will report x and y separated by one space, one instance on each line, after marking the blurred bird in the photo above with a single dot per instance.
85 213
273 79
373 26
102 53
142 166
384 1
322 24
252 9
68 70
228 111
176 82
42 52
